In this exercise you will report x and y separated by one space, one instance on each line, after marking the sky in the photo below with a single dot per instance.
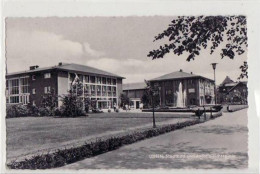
115 44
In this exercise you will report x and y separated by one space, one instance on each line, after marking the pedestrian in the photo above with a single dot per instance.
114 107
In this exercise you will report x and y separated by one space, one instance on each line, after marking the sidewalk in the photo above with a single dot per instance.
216 144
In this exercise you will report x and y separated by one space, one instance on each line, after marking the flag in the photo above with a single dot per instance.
75 79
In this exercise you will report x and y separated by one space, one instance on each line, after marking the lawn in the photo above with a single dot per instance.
27 135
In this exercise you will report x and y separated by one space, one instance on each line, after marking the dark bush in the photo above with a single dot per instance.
45 111
57 112
33 110
18 110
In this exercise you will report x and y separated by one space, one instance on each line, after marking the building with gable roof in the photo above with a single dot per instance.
231 92
29 86
182 89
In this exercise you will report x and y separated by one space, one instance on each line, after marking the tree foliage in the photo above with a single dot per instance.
124 100
76 101
49 102
191 34
151 94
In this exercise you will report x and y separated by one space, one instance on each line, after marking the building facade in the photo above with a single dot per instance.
135 92
26 87
181 89
230 92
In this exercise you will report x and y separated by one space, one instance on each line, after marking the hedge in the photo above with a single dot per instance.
71 155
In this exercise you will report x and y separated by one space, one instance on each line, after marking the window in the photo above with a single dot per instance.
33 77
93 90
47 90
33 91
92 79
47 75
86 79
98 80
108 81
104 80
99 90
104 90
114 91
14 99
24 85
109 90
114 81
87 89
14 88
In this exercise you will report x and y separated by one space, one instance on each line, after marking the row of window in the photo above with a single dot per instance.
17 86
98 90
92 79
47 90
46 76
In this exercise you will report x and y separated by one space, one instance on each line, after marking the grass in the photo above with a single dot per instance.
29 134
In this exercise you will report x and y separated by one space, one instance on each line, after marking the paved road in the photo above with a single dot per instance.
219 143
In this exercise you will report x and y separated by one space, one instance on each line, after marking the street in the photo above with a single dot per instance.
216 144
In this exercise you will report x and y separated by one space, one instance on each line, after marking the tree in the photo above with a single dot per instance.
190 34
49 101
76 101
150 93
124 100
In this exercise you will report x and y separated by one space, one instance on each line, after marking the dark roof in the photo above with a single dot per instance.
227 80
178 75
70 67
132 86
238 83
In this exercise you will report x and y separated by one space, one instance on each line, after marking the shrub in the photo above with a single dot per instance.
57 112
109 110
19 110
45 111
33 110
117 110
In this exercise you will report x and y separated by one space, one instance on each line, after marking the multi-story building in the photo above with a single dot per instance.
29 86
232 92
135 92
181 89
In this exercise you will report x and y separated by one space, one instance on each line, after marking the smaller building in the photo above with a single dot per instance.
231 92
135 92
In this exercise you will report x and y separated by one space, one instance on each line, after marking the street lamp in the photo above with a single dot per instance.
214 68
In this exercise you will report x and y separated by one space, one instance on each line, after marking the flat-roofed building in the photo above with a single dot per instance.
29 86
135 92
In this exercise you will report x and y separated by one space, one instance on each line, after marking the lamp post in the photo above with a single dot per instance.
215 91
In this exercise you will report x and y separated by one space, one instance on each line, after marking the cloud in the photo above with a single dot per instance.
43 48
88 50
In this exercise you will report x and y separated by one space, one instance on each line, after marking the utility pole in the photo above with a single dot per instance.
154 126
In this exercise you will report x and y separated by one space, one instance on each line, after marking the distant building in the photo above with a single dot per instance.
232 92
29 86
135 92
181 89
